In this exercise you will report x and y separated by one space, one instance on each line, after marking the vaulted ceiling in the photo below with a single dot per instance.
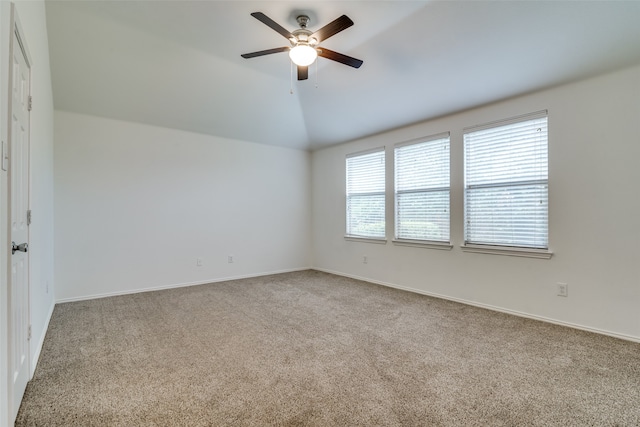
177 64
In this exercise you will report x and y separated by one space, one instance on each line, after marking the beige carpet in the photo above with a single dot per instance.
315 349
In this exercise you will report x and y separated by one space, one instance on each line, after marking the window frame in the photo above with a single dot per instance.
417 242
383 192
496 247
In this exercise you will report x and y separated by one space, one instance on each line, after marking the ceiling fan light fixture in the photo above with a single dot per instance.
305 45
303 55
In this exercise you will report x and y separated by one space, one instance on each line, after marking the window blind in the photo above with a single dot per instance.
506 183
422 190
366 194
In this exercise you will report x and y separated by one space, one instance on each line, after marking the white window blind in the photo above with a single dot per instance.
506 183
366 194
422 190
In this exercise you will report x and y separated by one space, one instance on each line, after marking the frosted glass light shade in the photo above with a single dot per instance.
303 55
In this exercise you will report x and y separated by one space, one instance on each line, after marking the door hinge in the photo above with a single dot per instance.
29 333
5 156
30 104
29 217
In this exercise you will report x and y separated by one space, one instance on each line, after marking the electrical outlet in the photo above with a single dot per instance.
365 259
563 289
199 262
230 259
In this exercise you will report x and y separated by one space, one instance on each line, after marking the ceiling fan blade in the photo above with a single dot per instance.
332 28
303 72
339 57
272 24
265 52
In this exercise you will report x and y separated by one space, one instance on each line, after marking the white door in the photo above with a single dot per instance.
19 204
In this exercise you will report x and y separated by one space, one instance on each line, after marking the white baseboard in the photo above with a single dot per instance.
177 285
488 307
36 354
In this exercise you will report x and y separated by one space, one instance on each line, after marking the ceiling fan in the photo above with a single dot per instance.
304 47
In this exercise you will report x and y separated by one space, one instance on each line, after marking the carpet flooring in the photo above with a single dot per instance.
313 349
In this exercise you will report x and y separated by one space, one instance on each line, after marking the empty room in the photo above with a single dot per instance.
327 213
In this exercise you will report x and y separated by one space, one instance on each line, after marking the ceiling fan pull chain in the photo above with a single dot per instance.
316 74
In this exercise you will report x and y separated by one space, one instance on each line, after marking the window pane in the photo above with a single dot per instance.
506 185
424 165
423 216
511 153
422 190
510 216
365 215
365 173
366 195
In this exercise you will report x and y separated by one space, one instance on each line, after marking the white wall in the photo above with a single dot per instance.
136 205
594 142
32 17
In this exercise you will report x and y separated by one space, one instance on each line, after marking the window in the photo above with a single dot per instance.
506 183
366 194
422 189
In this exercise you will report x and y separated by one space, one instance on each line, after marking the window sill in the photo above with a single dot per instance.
499 250
425 244
377 240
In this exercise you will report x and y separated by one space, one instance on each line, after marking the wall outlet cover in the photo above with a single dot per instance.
563 289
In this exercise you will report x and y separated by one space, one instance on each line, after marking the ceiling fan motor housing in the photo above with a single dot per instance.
301 35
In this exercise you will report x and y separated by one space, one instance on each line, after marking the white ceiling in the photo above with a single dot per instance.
177 64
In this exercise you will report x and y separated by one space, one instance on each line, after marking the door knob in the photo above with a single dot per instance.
23 247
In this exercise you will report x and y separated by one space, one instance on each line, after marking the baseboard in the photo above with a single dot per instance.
177 285
36 355
487 306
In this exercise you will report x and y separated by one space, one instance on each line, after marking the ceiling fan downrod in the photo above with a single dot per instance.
303 21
